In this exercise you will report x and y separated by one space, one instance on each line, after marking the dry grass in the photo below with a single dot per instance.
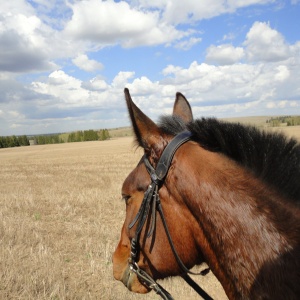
291 131
60 220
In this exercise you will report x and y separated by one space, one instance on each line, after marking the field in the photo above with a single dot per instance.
60 219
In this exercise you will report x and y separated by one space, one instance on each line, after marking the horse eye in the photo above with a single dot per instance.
125 198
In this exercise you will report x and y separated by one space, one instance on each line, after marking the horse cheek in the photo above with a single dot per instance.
121 254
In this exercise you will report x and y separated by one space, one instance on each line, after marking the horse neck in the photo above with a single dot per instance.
241 224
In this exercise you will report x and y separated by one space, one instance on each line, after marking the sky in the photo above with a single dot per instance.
64 64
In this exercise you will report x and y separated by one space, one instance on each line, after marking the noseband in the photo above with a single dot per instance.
151 204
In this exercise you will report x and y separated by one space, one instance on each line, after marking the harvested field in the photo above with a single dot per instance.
60 219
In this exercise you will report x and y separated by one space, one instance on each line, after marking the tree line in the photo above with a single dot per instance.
13 141
78 136
288 120
88 135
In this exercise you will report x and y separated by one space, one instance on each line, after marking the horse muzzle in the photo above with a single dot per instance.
131 281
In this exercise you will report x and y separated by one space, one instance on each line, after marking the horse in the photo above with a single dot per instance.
211 191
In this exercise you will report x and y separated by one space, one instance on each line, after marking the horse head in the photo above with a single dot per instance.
156 257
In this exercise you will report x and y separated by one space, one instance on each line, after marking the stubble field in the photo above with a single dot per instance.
60 220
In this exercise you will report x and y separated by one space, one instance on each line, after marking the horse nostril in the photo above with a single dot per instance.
127 277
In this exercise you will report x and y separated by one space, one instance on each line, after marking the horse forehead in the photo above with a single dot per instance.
138 179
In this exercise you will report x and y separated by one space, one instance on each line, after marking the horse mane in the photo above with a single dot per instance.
271 157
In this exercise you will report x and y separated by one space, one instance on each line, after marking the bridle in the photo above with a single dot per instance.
150 204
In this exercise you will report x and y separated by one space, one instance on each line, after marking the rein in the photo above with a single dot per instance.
150 204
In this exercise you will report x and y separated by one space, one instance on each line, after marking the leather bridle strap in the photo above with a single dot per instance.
152 201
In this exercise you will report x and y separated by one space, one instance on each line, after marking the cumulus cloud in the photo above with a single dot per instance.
95 84
262 44
22 44
187 44
189 11
224 54
83 62
265 44
64 88
67 91
29 42
234 88
108 23
121 79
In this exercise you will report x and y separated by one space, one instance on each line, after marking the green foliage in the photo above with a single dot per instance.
48 139
104 135
13 141
288 120
77 136
88 135
23 140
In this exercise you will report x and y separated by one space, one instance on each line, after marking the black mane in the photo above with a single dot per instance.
272 157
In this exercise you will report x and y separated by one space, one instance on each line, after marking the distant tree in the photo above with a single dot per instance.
90 135
23 140
41 140
71 137
2 142
55 139
104 135
14 142
79 136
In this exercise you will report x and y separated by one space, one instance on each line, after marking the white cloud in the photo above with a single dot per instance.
262 44
27 43
109 22
282 104
89 65
187 44
177 12
265 44
170 69
66 92
15 7
95 84
63 87
143 86
121 80
238 88
282 73
228 37
224 54
189 11
22 44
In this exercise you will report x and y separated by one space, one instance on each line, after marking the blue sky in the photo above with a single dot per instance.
64 64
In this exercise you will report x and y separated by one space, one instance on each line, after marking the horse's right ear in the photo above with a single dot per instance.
146 131
182 108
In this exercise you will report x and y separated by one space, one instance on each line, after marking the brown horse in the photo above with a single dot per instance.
230 197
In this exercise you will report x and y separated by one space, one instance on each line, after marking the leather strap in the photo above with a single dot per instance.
165 160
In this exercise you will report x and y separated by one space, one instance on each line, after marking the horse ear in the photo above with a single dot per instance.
146 131
182 108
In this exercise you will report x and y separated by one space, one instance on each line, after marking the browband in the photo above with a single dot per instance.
165 160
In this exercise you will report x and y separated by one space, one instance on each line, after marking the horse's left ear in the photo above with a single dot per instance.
146 131
182 108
